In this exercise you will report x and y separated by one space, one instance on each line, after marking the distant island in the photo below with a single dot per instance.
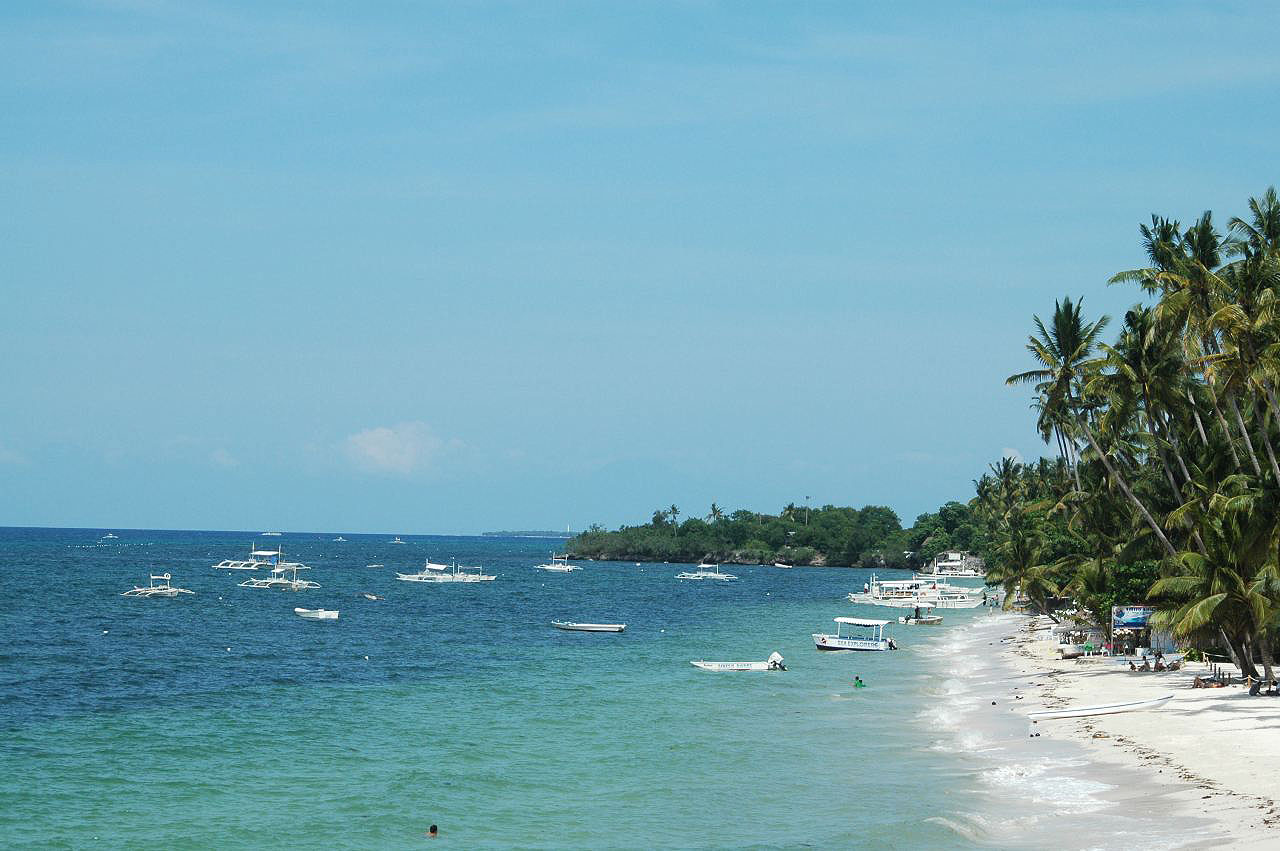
871 536
529 533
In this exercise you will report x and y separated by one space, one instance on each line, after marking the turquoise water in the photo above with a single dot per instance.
222 720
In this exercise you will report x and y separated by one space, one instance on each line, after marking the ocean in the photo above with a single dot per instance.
222 720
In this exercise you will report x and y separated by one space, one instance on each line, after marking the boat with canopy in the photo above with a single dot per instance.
558 564
283 577
855 634
706 571
432 572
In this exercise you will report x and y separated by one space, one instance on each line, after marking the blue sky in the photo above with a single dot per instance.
450 267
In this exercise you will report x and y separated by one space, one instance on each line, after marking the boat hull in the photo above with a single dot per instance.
831 642
722 667
317 614
568 626
1100 709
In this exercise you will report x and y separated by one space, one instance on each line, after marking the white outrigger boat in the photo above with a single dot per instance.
110 536
706 571
317 614
279 579
773 663
957 564
921 618
395 541
159 587
558 564
1100 709
432 572
259 557
919 591
570 626
865 635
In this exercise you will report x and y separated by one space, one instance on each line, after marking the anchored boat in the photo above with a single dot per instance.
558 564
773 663
861 634
317 614
570 626
158 587
432 572
706 571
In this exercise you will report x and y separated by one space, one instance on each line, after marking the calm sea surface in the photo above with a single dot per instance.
222 720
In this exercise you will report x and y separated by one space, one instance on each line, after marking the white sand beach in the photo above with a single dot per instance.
1219 748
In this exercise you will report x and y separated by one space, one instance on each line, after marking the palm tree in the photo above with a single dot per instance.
715 515
1064 354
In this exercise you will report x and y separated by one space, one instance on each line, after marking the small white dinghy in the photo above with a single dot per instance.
1100 709
773 663
570 626
159 587
317 614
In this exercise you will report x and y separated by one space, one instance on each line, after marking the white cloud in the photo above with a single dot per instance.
223 458
11 456
399 449
1012 454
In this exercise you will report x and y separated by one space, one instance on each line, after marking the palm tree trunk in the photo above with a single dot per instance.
1124 486
1195 412
1164 461
1226 429
1244 432
1264 648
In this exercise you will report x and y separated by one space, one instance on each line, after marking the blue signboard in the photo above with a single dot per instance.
1131 617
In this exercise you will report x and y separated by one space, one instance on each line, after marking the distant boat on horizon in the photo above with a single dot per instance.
270 534
396 541
108 536
339 540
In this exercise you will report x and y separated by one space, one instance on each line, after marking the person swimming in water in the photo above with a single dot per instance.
857 682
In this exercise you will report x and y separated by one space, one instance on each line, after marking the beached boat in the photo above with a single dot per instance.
570 626
1100 709
773 663
862 634
283 577
923 616
159 587
317 614
706 571
432 572
558 564
923 591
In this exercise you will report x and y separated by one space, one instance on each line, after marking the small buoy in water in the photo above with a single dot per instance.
228 649
104 632
993 703
366 658
662 630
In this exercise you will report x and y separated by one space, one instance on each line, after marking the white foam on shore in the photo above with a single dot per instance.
1063 799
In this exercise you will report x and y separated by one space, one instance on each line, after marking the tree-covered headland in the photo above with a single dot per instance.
871 536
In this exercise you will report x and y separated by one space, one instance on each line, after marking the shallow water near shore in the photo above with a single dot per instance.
222 720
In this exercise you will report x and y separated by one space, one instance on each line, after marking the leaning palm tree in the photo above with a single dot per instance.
716 514
1064 352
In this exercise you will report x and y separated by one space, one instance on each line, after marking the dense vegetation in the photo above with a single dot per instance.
871 536
1167 484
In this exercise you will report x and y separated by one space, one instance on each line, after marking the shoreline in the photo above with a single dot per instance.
1207 749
